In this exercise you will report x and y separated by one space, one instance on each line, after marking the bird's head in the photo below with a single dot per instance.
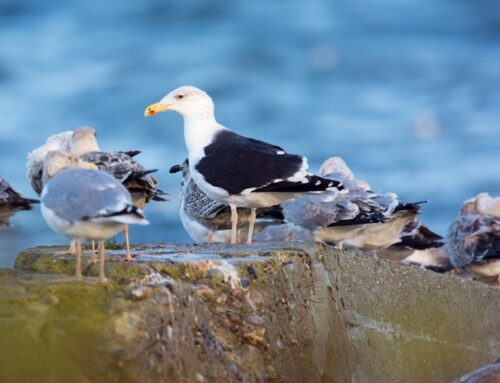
186 100
83 141
336 165
56 160
487 205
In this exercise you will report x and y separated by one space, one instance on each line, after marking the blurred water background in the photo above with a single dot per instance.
406 91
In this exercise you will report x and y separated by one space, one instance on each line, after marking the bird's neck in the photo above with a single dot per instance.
199 130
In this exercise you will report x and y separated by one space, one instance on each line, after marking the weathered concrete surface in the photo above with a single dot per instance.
308 314
486 374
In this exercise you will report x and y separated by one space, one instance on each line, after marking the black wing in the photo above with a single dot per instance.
235 163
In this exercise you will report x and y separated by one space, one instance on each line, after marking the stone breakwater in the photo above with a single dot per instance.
265 313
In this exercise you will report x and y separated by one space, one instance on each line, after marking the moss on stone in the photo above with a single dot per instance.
309 313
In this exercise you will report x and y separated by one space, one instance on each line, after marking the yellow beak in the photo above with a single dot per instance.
152 109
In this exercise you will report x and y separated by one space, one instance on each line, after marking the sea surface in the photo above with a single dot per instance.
407 92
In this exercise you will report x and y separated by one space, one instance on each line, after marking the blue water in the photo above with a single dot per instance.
408 92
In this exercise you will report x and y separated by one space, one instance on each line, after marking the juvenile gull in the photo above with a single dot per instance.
34 164
473 239
84 204
11 202
208 220
236 170
402 223
139 182
358 218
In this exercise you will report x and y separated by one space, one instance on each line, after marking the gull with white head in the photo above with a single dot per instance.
83 203
236 170
139 182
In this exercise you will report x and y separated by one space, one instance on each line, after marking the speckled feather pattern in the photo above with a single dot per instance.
473 237
128 171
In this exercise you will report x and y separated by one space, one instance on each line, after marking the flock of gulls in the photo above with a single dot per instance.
235 189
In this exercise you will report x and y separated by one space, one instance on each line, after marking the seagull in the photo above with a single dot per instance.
85 204
357 217
121 165
473 239
207 219
34 163
11 202
233 169
36 158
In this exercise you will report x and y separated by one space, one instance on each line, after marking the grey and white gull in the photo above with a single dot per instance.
85 205
357 218
121 165
239 171
208 220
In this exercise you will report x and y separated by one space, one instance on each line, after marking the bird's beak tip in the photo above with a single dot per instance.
153 109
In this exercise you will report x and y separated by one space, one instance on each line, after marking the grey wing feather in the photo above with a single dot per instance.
473 237
35 175
78 194
208 211
315 211
128 171
198 204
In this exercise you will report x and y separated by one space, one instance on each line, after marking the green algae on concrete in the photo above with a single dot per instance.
308 314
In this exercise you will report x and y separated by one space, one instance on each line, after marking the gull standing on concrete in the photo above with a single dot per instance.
236 170
207 219
358 218
473 239
11 202
85 205
139 182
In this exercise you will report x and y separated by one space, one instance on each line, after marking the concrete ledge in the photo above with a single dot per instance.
280 313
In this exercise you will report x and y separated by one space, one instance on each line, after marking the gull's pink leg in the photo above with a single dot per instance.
94 258
234 223
210 237
251 224
78 253
102 277
72 247
128 256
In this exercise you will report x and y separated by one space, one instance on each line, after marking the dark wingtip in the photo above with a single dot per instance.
132 153
24 203
140 174
31 201
176 169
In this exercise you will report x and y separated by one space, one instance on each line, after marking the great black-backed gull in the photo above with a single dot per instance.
473 239
85 205
357 218
11 202
236 170
139 182
207 219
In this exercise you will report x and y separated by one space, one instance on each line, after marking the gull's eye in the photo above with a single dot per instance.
179 96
